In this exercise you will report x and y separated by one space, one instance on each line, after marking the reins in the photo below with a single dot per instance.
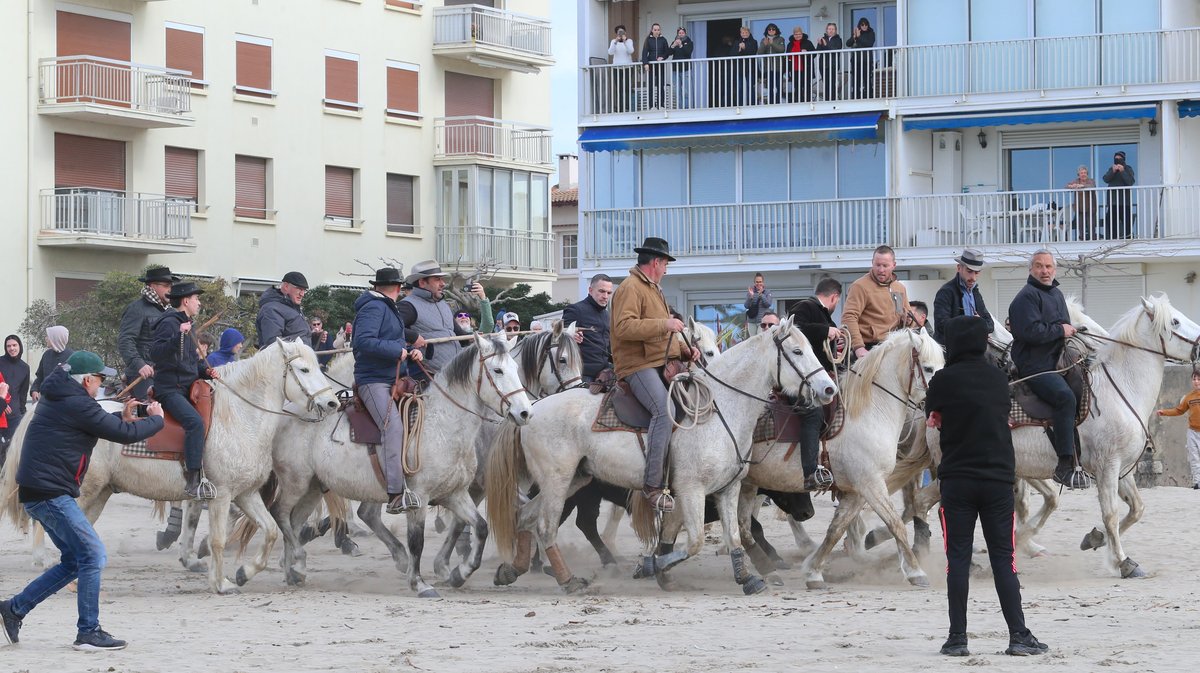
287 369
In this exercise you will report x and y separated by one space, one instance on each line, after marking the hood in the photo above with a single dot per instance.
966 338
57 336
274 296
230 338
370 296
59 385
20 348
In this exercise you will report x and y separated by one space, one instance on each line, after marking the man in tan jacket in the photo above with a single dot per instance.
876 304
643 338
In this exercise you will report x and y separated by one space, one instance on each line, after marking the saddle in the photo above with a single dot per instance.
364 429
621 411
780 421
1030 410
167 444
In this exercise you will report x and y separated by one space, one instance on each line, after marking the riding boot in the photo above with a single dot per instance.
198 488
1068 474
399 503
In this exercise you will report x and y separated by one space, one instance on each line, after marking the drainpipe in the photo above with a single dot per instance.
30 85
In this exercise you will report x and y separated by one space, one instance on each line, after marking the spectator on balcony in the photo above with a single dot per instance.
1120 178
620 82
56 354
798 44
772 67
830 63
876 304
654 52
862 64
1085 205
681 73
744 74
758 303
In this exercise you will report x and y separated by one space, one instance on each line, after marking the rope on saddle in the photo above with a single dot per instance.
694 398
412 414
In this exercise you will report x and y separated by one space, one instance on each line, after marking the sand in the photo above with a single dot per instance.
357 614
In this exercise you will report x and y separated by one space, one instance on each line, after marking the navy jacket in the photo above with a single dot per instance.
16 374
948 304
1037 315
379 338
595 346
278 317
58 445
177 365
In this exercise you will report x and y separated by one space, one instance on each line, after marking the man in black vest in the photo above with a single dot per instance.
961 295
592 313
136 332
814 317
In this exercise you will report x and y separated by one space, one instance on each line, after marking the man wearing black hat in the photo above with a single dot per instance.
643 339
425 310
137 327
279 311
177 365
961 296
379 347
1118 223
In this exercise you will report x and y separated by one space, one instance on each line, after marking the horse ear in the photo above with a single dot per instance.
558 328
1147 305
785 325
572 328
691 324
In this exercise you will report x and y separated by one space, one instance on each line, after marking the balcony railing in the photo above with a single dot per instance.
1109 62
491 139
952 220
508 248
128 215
118 84
476 25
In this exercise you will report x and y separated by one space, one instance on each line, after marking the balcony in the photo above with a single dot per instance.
1017 221
518 253
102 90
491 140
128 222
1117 66
492 38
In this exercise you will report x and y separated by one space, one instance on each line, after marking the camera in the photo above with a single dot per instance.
1120 161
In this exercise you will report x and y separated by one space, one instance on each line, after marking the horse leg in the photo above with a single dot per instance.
291 513
848 508
1128 490
747 501
189 557
587 514
876 496
456 528
163 539
251 504
416 545
1026 530
727 505
464 509
553 498
371 513
856 537
218 530
528 514
760 539
615 514
1107 488
39 545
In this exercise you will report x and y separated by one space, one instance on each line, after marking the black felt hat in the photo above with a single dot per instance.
387 276
185 289
657 247
159 274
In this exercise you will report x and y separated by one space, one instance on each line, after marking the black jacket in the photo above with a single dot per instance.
50 361
278 317
136 333
971 395
865 40
948 304
812 319
595 346
177 365
751 47
58 445
1037 315
684 51
16 375
655 48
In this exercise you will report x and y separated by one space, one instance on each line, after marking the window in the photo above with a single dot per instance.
339 195
401 4
250 188
401 208
1042 168
664 177
69 290
402 96
182 174
185 51
341 80
254 66
570 252
86 162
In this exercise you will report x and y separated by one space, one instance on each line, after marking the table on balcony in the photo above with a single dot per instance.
1032 225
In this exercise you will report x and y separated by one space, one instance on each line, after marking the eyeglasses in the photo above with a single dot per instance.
767 325
315 324
462 315
513 329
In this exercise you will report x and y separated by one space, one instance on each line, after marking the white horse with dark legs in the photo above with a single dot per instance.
559 451
480 385
247 409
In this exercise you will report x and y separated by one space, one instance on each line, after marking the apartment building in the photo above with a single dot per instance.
245 138
966 123
564 226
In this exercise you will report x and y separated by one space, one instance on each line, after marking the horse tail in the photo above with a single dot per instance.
910 466
642 517
506 464
10 503
338 508
159 510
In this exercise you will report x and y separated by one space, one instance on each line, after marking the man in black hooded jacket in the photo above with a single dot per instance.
968 401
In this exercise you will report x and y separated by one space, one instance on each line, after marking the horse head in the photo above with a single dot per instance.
488 368
303 382
702 337
1167 331
797 370
549 362
565 359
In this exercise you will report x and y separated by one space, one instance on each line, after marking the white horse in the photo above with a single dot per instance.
559 451
479 385
247 409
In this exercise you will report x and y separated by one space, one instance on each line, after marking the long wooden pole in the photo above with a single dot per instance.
441 340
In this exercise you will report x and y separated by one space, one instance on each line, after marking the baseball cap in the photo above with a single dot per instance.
86 362
511 317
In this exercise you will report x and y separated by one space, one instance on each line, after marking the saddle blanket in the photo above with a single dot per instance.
140 450
783 427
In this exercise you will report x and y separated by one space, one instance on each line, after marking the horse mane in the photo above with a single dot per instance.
1126 328
857 393
1079 318
568 347
459 371
530 349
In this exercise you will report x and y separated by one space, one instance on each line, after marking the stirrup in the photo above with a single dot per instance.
205 490
822 477
661 499
405 502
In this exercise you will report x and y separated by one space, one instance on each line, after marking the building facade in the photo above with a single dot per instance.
564 224
953 124
246 139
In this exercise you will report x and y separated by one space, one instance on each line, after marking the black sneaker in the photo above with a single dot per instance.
98 640
956 646
12 623
1025 645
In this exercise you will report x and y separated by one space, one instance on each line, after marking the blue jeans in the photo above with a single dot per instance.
1053 390
83 558
181 409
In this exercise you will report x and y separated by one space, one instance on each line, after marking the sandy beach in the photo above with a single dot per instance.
357 614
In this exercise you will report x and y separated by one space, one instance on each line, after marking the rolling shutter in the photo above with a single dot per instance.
72 289
185 50
182 172
400 211
485 3
341 80
339 192
253 66
82 35
82 81
1108 297
250 187
402 82
468 95
401 4
81 161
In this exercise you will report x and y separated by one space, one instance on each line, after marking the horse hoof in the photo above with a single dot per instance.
196 567
429 593
1093 540
229 590
1131 570
164 540
754 585
350 548
780 564
240 577
645 568
609 570
506 574
775 579
574 585
295 579
665 582
456 578
816 585
665 562
919 581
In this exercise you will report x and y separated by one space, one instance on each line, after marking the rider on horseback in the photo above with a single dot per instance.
876 304
814 317
643 339
177 365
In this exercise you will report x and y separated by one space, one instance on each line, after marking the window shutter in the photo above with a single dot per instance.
253 66
182 172
71 289
185 51
81 35
400 211
402 82
80 161
341 82
401 4
250 187
468 95
485 3
339 192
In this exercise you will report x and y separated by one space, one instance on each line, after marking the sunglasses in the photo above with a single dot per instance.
462 315
767 325
512 329
315 324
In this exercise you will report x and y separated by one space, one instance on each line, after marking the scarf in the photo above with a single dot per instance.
151 296
968 298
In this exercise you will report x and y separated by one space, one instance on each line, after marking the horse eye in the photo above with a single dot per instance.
497 370
798 351
1175 322
562 361
304 370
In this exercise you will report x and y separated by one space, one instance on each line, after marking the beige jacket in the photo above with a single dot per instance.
639 338
871 310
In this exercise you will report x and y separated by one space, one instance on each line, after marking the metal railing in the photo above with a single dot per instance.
952 220
491 138
1113 60
91 79
478 25
509 248
88 210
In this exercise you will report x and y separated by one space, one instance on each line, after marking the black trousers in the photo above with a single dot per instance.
991 502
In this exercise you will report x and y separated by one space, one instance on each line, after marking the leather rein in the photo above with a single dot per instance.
287 369
484 372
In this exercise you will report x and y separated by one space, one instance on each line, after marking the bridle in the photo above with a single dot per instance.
547 354
1162 342
484 372
289 369
780 357
915 371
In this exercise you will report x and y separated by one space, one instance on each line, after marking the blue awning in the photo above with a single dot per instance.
1036 116
1189 108
728 132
